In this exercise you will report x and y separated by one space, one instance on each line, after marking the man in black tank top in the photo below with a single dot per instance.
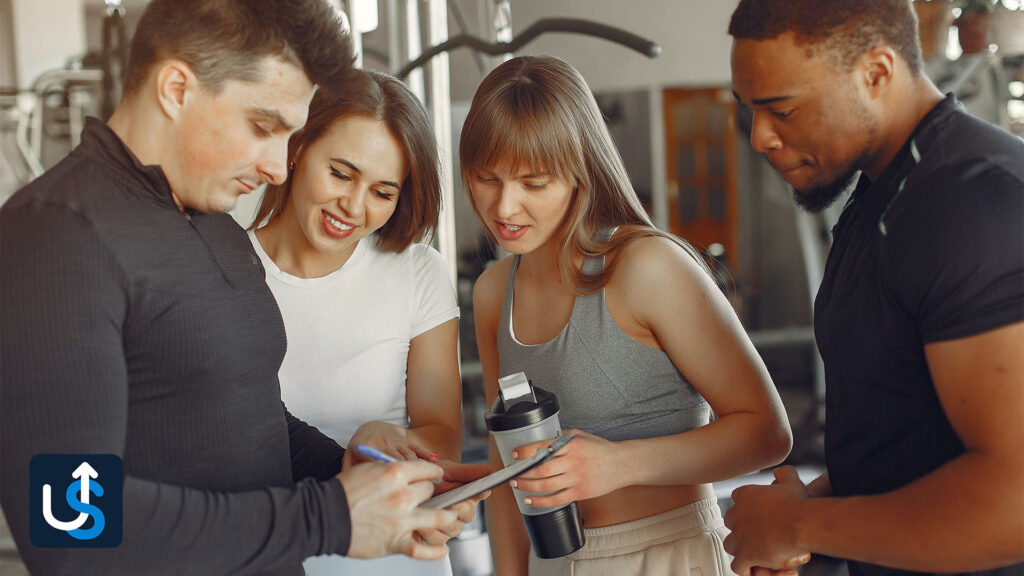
919 316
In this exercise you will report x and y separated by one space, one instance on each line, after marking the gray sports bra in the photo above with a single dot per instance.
607 384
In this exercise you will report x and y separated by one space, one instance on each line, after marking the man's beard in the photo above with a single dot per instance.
818 198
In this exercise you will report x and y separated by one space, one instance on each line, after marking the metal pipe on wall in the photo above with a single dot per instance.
441 116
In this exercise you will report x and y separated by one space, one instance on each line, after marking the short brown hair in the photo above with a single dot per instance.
225 39
381 97
845 29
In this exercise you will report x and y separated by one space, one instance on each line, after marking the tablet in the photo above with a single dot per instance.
480 485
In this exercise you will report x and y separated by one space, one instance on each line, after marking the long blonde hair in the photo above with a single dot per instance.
539 112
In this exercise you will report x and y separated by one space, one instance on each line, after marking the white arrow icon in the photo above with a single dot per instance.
84 472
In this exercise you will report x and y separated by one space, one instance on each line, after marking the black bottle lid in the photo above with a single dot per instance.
521 414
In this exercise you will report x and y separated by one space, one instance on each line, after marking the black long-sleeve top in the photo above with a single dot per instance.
132 328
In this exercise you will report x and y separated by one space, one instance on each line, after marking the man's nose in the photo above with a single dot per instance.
762 134
273 167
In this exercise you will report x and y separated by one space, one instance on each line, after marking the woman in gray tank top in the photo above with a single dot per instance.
623 322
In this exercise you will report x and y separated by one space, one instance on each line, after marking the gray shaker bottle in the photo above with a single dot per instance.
522 414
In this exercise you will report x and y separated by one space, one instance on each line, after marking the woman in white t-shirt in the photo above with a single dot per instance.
370 313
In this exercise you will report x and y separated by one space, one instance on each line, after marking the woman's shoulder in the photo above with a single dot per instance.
652 253
647 263
490 285
421 254
416 255
423 266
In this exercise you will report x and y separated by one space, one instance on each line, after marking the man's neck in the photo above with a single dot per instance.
138 130
905 108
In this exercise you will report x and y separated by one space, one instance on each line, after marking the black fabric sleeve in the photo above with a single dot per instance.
314 455
63 299
955 251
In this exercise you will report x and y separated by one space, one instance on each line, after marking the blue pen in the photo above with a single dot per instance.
372 452
379 456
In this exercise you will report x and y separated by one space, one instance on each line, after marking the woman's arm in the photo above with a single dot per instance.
662 298
434 391
433 385
509 543
670 295
433 396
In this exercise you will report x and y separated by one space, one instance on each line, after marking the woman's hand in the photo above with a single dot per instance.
388 438
585 468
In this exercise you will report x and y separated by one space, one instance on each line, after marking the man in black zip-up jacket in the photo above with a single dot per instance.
136 319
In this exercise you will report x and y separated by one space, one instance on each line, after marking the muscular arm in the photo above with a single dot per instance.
979 381
65 390
509 543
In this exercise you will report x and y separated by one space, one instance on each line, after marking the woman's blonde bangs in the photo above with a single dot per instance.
506 134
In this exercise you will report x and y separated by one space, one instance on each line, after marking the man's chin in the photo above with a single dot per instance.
817 198
221 205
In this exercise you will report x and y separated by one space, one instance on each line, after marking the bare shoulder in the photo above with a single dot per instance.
660 284
649 264
489 289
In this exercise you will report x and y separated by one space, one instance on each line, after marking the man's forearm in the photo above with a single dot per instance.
965 516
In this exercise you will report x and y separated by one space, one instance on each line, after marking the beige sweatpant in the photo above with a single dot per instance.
686 541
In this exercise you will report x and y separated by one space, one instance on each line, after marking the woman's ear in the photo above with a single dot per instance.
295 157
175 82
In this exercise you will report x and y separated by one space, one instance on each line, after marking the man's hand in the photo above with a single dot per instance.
763 539
383 502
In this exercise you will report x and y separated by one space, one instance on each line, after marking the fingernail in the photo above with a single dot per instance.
515 455
528 501
514 483
434 456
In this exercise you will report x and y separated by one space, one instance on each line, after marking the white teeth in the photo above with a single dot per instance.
511 228
337 224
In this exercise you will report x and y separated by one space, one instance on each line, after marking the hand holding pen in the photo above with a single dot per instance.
371 452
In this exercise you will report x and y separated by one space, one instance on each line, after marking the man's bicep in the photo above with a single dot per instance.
980 382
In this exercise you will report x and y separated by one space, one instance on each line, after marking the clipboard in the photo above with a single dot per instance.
493 480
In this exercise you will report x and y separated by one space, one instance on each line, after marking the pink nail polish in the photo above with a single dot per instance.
434 456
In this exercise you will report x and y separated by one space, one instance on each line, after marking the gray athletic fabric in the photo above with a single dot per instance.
607 384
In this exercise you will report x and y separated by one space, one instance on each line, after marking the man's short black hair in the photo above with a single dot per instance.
844 29
225 39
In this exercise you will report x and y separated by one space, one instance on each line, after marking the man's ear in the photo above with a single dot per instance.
175 83
877 68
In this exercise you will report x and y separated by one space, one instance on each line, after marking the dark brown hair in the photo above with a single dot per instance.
225 39
844 29
381 97
538 111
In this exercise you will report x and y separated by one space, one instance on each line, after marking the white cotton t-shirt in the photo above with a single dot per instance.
349 333
348 349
